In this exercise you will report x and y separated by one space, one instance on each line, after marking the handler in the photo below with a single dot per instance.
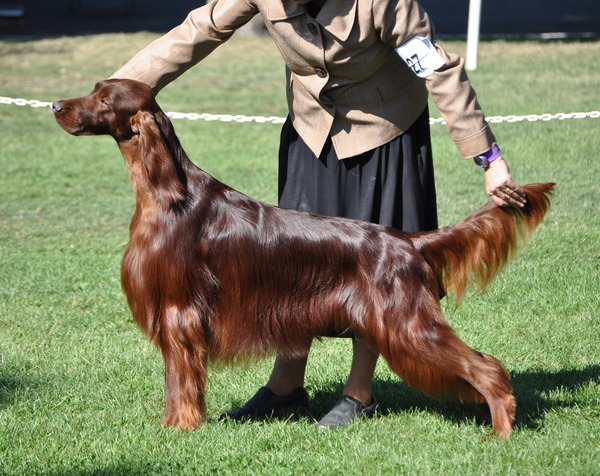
356 143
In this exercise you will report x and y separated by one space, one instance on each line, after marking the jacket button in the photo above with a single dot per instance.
312 28
320 72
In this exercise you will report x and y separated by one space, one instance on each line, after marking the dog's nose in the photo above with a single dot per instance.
57 106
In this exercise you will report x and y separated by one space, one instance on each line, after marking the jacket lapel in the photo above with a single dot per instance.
336 16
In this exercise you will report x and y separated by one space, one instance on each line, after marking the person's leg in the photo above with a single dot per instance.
364 361
283 395
287 374
357 399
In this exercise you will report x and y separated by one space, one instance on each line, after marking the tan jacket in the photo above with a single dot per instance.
344 76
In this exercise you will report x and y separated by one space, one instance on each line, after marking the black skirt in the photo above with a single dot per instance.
392 185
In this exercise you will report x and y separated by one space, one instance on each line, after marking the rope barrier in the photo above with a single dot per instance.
561 116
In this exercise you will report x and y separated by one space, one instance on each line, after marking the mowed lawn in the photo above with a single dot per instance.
81 390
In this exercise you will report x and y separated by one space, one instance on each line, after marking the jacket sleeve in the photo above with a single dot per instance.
398 22
205 28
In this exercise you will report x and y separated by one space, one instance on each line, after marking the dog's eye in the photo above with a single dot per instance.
104 102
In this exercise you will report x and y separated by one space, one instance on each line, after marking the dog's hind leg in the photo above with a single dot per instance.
494 384
425 352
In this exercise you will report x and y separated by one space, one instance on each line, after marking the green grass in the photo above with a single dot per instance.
81 390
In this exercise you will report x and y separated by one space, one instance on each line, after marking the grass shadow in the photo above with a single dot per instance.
13 387
395 397
533 392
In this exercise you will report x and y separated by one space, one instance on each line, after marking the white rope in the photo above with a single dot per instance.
225 117
24 102
280 120
561 116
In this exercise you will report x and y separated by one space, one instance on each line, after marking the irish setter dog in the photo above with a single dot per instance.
211 273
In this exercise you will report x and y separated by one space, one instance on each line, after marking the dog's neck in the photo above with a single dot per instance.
137 175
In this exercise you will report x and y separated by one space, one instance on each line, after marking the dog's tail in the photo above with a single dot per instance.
482 244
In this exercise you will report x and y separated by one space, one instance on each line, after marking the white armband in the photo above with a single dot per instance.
421 56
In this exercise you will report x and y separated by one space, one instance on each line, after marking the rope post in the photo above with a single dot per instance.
473 34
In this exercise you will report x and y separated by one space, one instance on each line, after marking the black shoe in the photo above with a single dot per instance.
345 411
265 404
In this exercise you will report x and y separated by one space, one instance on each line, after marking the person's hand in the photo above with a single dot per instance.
500 186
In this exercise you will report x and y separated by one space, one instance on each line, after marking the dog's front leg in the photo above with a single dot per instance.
185 359
184 392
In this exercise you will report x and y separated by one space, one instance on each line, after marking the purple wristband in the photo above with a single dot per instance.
492 154
485 159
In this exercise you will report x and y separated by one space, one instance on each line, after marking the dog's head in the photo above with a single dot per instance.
108 109
127 110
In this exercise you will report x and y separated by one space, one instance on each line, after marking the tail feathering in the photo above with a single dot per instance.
479 247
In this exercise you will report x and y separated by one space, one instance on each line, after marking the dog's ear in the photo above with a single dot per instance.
162 167
136 121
